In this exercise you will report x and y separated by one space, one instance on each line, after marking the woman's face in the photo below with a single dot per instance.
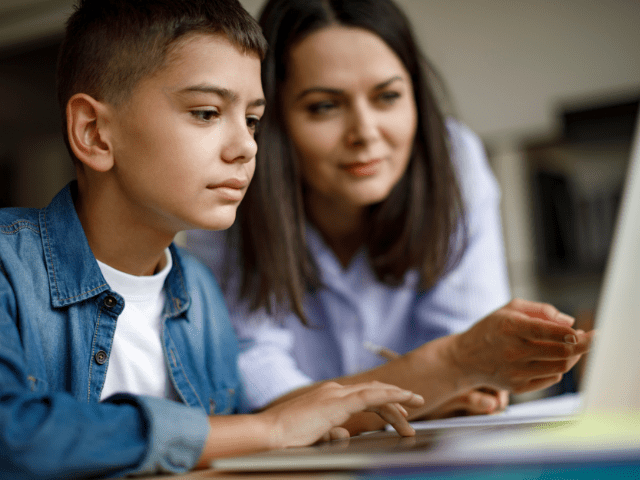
349 108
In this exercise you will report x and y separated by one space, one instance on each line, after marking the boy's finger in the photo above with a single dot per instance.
390 414
402 409
375 394
338 433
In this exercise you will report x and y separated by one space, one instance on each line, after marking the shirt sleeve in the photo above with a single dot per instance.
479 284
46 434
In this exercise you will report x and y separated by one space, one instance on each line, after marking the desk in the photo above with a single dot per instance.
586 471
592 446
215 474
434 466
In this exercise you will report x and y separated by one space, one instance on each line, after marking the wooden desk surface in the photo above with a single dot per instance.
200 474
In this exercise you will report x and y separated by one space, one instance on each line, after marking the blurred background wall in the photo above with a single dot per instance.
551 88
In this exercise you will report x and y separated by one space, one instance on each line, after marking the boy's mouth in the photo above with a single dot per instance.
232 189
234 183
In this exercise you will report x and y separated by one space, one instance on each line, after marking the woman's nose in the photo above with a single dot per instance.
363 128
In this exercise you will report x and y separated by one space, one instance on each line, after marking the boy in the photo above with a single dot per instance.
116 354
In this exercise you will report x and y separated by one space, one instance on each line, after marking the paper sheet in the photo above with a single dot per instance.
561 407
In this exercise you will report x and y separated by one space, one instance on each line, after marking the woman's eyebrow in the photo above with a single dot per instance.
330 91
386 83
337 91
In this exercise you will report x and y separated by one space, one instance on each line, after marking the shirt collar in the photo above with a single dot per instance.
178 299
74 274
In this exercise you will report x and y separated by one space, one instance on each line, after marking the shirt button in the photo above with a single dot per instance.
110 301
100 357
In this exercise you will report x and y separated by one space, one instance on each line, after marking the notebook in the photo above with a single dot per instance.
606 426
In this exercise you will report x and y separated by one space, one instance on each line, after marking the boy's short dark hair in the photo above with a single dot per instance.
110 45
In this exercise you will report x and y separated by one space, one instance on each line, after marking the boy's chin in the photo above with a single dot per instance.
221 222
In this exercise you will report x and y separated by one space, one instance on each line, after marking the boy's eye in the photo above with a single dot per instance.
205 115
322 108
253 123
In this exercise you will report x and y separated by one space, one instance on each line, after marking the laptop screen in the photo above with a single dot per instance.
612 381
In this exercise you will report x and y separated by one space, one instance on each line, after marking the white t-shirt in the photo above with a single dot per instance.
137 362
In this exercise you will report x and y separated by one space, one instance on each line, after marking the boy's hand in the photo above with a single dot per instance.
319 413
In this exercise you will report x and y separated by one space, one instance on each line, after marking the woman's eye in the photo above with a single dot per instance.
321 108
204 115
389 97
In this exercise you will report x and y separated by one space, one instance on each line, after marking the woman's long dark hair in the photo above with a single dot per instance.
420 225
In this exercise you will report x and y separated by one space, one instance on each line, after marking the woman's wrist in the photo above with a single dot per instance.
455 355
442 366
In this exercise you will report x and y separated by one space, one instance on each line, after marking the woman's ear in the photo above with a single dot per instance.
89 133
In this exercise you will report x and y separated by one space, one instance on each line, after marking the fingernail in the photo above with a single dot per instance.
570 339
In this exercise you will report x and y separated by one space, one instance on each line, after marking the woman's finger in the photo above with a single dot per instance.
537 384
503 399
543 311
518 324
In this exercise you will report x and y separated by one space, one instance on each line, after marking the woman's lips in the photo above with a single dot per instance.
362 169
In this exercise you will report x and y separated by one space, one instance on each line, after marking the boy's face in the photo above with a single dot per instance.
183 143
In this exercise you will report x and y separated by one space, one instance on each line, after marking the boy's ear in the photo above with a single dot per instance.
88 128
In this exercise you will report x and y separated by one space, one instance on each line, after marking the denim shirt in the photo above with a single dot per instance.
57 321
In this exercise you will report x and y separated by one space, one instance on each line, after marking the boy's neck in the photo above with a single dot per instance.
117 238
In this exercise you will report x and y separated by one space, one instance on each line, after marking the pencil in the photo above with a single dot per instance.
383 352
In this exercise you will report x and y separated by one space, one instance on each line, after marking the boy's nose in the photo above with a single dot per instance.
240 145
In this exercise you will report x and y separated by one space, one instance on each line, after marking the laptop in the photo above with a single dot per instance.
603 423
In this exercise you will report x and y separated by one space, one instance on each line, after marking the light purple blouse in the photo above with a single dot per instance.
281 355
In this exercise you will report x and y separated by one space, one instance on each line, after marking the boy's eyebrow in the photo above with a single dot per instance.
224 93
337 91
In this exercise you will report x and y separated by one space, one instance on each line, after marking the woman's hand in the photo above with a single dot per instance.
523 346
479 401
319 413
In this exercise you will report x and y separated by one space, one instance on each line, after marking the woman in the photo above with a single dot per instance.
373 220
